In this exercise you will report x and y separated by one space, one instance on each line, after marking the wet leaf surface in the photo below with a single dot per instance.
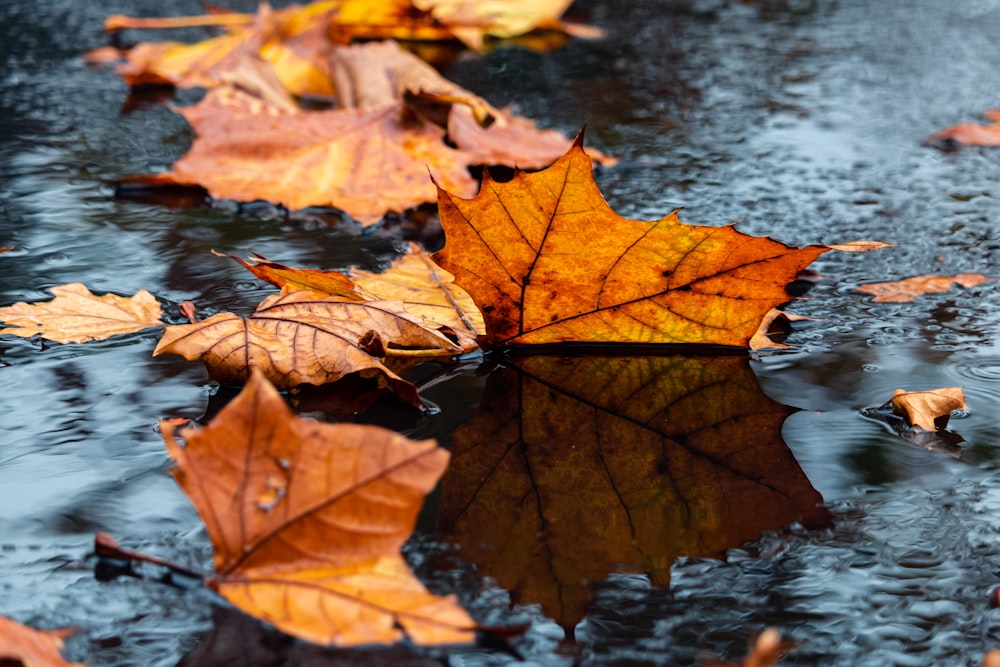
307 519
928 410
576 466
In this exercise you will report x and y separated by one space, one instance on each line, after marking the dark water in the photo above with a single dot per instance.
803 118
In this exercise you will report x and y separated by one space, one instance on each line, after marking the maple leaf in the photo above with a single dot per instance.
302 338
928 410
21 645
368 158
574 467
307 519
427 291
970 134
76 315
902 291
548 261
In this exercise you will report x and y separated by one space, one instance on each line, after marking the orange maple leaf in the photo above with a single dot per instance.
903 291
928 410
548 261
307 519
76 315
304 338
21 645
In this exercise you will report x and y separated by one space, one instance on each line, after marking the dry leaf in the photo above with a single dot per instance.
928 410
329 283
547 261
77 316
301 338
775 322
307 519
971 134
903 291
21 645
427 291
575 467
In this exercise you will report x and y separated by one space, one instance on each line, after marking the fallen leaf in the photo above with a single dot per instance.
330 283
992 658
371 157
301 338
902 291
76 315
775 322
575 467
427 291
292 40
928 410
307 519
971 134
766 650
548 261
21 645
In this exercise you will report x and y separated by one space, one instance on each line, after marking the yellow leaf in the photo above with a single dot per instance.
77 316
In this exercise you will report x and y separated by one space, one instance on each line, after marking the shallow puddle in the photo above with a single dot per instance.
628 542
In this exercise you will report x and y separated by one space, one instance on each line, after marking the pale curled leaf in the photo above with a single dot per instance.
307 519
928 409
76 315
302 338
330 283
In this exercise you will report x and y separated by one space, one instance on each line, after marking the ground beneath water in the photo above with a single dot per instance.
803 118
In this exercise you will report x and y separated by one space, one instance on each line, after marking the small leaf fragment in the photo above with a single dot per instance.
970 134
25 646
329 283
76 315
928 410
904 291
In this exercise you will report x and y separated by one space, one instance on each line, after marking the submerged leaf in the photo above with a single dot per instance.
307 519
547 261
903 291
971 134
76 315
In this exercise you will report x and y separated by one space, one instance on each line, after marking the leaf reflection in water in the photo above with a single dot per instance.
577 466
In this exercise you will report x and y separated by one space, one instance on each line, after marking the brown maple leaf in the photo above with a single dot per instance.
575 467
307 519
928 410
547 261
902 291
970 134
76 315
303 338
21 645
